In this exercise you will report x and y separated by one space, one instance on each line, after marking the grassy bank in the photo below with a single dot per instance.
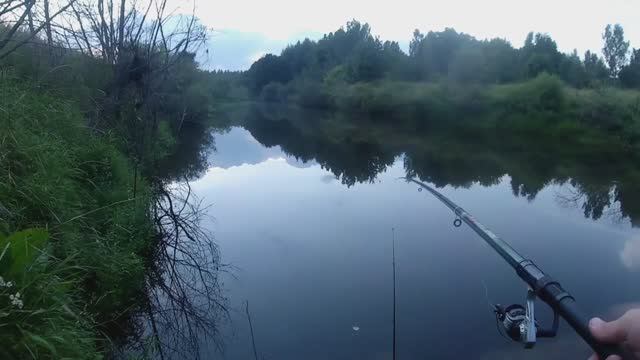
541 106
73 238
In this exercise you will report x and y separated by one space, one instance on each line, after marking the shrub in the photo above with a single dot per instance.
545 93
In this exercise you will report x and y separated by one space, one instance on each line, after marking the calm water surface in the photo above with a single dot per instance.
311 252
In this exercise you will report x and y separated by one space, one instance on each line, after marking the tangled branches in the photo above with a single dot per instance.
186 303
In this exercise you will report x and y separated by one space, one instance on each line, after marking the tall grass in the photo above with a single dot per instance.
55 174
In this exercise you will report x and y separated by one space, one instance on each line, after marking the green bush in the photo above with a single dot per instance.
543 94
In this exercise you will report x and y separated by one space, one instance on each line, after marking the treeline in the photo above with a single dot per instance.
449 79
94 97
352 54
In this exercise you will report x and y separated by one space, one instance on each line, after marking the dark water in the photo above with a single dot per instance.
303 209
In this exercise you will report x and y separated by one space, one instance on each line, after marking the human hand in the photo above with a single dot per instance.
625 330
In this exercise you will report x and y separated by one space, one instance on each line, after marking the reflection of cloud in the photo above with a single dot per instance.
299 163
630 254
327 179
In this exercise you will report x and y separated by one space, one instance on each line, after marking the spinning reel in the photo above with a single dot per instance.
519 323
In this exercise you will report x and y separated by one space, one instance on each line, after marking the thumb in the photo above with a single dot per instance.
609 332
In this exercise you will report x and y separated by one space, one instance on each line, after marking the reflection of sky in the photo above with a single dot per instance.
313 259
238 147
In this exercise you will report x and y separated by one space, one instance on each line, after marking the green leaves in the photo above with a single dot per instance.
41 342
615 48
20 250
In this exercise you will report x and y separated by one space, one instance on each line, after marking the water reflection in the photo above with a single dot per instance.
313 259
303 203
238 147
630 254
190 160
357 150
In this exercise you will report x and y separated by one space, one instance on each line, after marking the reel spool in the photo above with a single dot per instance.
519 323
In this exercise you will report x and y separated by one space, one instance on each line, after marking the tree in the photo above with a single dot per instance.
366 63
414 45
630 74
615 48
270 68
432 54
13 15
540 54
572 70
595 68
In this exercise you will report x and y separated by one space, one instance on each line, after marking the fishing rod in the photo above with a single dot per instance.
519 321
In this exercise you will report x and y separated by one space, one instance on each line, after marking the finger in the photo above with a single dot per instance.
609 332
612 357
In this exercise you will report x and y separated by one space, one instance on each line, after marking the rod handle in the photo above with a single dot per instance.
580 323
552 293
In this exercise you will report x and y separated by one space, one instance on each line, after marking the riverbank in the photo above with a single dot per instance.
74 236
543 106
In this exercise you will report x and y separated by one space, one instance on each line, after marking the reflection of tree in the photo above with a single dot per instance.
615 200
357 150
455 169
350 157
628 195
186 300
194 144
593 200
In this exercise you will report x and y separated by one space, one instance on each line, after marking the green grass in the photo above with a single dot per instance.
542 106
56 175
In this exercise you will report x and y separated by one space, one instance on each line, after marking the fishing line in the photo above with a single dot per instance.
493 310
393 255
486 295
253 340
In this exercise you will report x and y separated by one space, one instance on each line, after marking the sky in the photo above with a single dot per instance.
243 30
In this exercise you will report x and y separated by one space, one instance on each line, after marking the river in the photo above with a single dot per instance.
303 215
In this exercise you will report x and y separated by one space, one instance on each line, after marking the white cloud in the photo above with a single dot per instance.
572 23
255 56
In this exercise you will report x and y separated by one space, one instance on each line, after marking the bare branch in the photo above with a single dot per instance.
83 33
47 23
15 26
121 23
31 36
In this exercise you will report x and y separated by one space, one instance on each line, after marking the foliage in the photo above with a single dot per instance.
599 165
449 77
38 313
83 131
352 54
543 95
595 69
536 105
630 74
57 175
615 48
